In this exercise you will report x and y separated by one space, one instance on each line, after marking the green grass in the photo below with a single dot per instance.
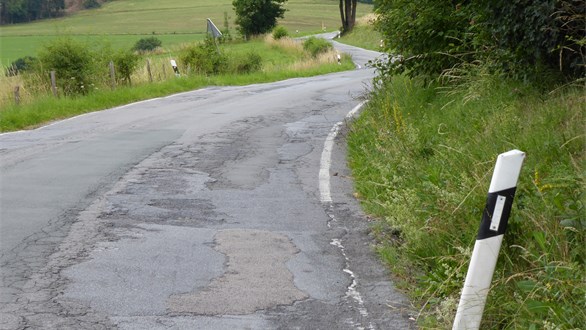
173 21
422 160
277 62
363 36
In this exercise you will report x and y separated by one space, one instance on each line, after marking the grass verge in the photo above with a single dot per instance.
422 159
281 63
364 35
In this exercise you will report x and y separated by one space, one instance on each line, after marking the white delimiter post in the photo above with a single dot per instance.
488 242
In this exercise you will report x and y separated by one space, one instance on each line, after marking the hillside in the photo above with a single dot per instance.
122 22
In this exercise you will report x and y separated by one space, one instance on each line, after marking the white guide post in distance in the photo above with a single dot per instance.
488 242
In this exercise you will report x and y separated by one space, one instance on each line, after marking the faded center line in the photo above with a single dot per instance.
256 277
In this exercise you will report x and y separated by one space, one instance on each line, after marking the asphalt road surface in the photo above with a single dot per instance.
221 208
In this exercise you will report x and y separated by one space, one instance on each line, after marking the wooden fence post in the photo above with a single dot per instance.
17 95
165 71
53 83
149 70
112 76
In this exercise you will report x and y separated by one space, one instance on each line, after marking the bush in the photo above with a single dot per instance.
251 62
147 44
430 35
73 62
20 65
280 32
523 39
316 46
125 63
91 4
204 58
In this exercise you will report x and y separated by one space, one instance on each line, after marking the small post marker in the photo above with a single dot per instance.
488 242
148 63
53 83
17 95
112 75
175 69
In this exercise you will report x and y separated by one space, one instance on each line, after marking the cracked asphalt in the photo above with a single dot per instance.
200 210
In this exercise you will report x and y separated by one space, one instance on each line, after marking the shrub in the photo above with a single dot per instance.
251 62
125 62
73 63
204 58
280 32
147 44
91 4
316 46
523 39
430 35
20 65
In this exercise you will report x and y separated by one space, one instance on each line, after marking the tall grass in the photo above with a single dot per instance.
422 159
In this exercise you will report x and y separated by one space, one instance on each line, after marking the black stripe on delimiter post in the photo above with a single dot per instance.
485 230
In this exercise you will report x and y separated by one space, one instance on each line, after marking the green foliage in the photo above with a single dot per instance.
91 4
20 65
73 62
524 39
280 32
17 11
251 62
255 17
422 159
546 34
147 44
316 46
125 63
430 35
204 58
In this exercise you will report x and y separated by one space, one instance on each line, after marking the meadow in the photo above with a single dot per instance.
175 22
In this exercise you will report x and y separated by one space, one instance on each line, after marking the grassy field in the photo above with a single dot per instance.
123 22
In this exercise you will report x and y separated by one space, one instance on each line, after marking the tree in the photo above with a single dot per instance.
255 17
348 14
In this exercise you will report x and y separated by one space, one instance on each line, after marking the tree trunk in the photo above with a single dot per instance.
348 14
352 19
342 15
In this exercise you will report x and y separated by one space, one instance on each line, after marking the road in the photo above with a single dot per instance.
212 209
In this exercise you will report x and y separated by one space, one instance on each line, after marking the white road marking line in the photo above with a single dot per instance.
326 157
